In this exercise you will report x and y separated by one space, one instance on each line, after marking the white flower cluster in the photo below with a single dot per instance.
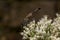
44 29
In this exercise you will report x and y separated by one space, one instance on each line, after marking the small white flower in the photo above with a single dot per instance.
44 29
21 33
24 38
58 39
